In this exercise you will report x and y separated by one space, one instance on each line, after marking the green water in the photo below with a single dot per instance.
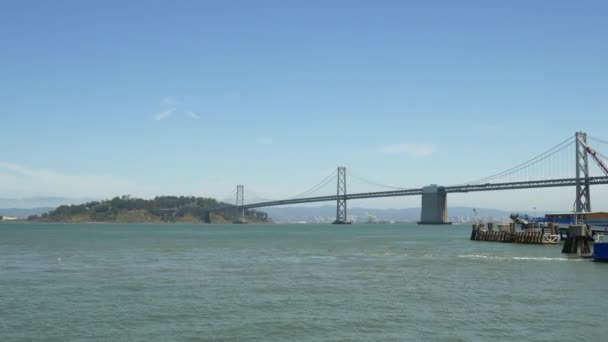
102 282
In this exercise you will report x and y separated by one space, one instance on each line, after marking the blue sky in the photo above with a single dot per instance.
193 97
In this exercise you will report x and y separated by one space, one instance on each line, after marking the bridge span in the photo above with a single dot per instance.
433 216
434 197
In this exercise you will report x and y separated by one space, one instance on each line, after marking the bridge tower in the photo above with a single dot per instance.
583 199
239 210
341 215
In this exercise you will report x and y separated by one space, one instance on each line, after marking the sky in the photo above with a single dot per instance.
101 98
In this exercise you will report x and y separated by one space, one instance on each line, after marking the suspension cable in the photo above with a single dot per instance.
370 182
539 160
317 187
253 194
228 198
529 162
598 140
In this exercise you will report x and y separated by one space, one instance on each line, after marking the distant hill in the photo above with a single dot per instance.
24 212
41 202
328 213
159 209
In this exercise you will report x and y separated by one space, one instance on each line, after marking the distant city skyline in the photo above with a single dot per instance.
192 98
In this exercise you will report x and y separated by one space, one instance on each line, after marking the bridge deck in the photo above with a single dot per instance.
418 191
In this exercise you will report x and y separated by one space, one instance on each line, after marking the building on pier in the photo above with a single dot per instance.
597 218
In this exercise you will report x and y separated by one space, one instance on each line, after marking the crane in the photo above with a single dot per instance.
477 221
595 157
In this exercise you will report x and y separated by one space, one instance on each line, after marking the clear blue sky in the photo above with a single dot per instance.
193 97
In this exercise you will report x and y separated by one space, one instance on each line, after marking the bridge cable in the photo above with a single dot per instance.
370 182
532 161
227 198
252 194
598 140
320 185
317 187
531 172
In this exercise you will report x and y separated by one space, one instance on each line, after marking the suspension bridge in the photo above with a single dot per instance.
537 172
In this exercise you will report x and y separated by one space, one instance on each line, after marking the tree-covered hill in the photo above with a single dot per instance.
158 209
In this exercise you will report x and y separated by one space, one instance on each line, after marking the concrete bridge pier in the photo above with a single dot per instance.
434 205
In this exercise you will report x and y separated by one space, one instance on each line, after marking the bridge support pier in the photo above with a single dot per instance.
434 205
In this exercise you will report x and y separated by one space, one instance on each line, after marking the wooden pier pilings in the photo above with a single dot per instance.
507 233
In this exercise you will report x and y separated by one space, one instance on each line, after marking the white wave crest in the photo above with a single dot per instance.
508 258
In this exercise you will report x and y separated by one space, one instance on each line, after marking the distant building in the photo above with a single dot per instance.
8 218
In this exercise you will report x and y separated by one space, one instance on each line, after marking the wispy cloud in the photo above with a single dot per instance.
169 101
192 115
265 140
170 105
164 114
411 149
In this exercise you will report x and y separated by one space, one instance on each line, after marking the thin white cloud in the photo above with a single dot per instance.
192 115
265 140
169 101
411 149
163 115
21 180
170 104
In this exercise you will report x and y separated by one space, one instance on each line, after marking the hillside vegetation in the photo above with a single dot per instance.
159 209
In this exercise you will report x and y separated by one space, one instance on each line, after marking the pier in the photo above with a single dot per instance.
538 235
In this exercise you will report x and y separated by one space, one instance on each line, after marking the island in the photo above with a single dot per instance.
168 209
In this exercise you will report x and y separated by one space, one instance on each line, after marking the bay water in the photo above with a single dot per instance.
386 282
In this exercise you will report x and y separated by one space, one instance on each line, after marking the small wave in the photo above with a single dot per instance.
495 257
296 259
379 255
322 257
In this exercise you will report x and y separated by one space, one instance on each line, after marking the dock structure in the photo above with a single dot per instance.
579 235
506 233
